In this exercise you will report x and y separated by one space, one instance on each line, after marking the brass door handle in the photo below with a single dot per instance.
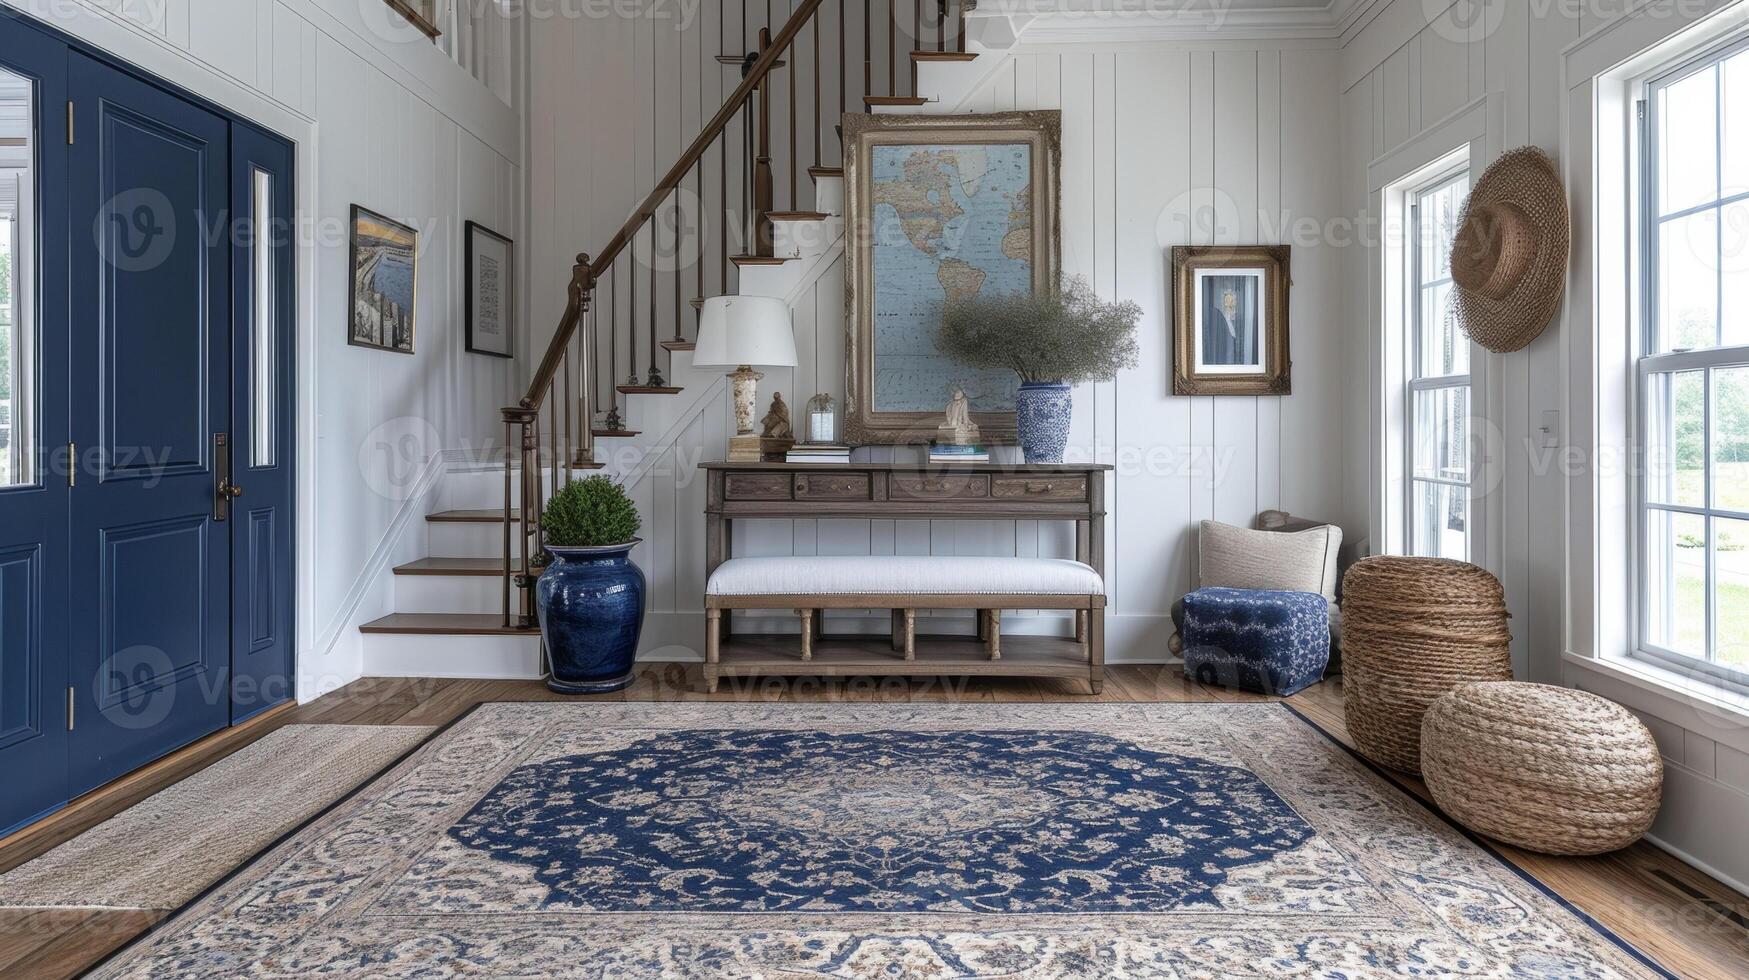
229 490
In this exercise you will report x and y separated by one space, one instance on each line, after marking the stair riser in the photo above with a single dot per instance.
829 195
770 280
449 594
805 238
439 655
465 541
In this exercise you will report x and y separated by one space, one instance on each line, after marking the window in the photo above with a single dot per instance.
263 327
17 272
1437 457
1692 376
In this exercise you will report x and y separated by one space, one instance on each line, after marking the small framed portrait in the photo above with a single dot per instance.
491 291
1229 315
384 283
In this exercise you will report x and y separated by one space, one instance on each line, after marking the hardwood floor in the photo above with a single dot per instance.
1691 923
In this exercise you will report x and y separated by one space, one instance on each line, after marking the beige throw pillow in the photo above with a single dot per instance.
1240 558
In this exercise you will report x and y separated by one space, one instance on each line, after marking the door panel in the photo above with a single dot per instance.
34 606
151 379
262 648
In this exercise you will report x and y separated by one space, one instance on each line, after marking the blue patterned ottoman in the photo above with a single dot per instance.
1264 642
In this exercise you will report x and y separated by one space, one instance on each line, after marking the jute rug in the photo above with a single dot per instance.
164 850
860 840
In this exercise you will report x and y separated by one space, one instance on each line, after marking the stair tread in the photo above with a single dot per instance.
879 100
472 624
825 171
491 516
943 56
614 433
760 259
671 346
797 215
646 390
582 463
452 566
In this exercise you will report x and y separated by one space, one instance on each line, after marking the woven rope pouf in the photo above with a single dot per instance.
1413 629
1544 768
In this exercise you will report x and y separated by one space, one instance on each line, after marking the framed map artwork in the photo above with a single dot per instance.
939 208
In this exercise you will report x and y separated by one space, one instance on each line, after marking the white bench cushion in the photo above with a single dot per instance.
901 575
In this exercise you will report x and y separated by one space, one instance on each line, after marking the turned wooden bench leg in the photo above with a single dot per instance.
993 633
807 633
1081 628
713 623
910 634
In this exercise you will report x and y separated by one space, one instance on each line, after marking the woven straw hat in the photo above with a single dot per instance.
1509 259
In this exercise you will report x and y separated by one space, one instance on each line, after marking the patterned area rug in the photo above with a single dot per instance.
859 840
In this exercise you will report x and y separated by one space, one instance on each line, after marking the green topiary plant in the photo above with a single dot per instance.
1069 336
588 513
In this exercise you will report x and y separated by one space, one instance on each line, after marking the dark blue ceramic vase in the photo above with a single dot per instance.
591 604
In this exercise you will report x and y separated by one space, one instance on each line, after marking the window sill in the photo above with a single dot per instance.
1697 703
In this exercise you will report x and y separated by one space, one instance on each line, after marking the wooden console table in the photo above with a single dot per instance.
906 491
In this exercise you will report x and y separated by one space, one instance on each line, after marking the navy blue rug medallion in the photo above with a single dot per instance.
859 840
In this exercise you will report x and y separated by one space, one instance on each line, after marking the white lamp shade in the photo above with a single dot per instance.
752 330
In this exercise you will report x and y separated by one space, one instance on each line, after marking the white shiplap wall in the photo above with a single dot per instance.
1413 64
1151 136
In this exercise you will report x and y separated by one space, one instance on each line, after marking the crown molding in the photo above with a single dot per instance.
1053 22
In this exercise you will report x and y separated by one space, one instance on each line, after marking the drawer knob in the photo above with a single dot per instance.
801 486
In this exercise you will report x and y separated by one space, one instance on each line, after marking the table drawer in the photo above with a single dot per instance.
963 486
757 486
832 486
1070 486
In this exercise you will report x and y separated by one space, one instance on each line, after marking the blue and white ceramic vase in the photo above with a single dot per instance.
591 606
1042 413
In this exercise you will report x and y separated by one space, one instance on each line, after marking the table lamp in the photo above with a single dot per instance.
740 332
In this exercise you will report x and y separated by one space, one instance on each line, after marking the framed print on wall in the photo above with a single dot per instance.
491 291
1229 320
939 208
382 292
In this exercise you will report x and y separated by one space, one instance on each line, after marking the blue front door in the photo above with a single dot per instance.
150 275
34 567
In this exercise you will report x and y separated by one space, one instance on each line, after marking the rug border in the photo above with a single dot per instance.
250 861
1474 838
1487 846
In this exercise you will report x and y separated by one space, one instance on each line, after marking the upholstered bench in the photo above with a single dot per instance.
904 585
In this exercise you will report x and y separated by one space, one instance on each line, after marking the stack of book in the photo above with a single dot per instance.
947 453
817 452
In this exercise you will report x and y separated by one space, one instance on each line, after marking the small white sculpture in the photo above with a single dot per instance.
957 428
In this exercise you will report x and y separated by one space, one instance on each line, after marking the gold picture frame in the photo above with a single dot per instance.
1230 320
1041 132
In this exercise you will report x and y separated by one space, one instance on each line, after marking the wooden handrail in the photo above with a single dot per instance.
583 278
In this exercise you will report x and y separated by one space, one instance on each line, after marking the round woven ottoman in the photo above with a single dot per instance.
1543 768
1413 629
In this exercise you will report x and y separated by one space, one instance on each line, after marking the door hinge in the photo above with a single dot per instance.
69 709
72 463
69 122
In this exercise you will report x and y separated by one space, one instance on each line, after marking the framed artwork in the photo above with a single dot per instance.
1229 320
384 284
491 291
939 208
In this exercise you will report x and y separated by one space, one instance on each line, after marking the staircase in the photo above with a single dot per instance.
615 387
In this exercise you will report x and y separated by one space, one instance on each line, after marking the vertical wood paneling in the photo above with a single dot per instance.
1234 425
